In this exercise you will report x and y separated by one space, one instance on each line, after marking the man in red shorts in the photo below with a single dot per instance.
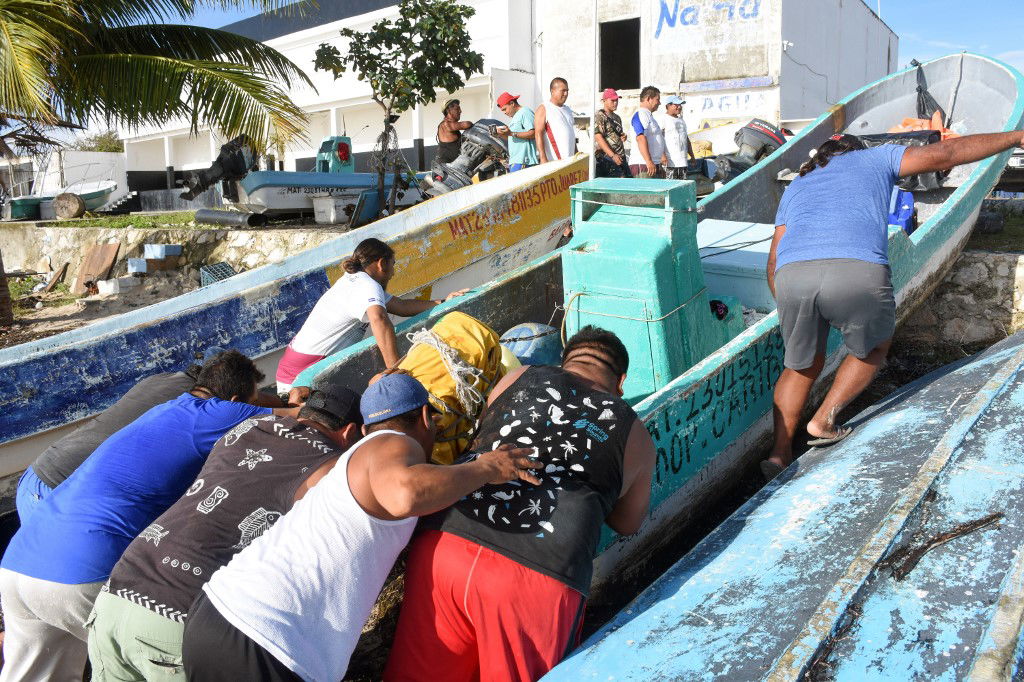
496 584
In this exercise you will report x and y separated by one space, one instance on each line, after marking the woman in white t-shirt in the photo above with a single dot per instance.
355 302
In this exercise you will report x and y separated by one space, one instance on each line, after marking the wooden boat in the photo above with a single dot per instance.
704 387
458 240
895 554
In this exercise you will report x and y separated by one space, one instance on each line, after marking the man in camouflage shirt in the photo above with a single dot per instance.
608 139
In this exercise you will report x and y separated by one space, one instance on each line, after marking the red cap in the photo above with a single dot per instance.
504 98
609 93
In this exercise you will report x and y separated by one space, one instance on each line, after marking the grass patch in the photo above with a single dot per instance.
1010 240
176 220
25 299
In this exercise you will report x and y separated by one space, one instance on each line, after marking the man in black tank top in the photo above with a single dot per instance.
449 132
495 585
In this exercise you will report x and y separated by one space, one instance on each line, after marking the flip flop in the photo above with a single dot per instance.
770 469
842 433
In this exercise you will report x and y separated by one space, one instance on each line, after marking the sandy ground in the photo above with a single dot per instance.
32 324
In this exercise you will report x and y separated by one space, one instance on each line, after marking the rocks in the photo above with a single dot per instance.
990 222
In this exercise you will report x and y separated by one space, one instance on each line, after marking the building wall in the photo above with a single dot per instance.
832 48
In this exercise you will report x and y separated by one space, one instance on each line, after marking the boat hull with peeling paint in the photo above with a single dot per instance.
709 424
895 554
445 244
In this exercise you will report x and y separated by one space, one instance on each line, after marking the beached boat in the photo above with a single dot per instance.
280 192
94 193
704 386
895 554
458 240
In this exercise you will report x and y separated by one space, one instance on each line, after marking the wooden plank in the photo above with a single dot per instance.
98 261
57 277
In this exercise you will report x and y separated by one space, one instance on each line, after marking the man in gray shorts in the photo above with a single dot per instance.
828 267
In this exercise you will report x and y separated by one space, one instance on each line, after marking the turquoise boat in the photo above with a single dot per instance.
94 193
894 555
647 260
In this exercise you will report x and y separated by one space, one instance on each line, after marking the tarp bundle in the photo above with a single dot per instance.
458 361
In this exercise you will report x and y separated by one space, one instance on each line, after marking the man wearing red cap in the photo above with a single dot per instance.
611 152
521 150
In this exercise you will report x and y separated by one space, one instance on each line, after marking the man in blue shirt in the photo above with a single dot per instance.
828 267
522 153
57 562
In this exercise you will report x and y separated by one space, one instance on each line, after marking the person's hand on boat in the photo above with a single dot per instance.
297 396
510 463
456 294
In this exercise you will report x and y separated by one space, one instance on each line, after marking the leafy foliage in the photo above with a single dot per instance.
408 59
106 141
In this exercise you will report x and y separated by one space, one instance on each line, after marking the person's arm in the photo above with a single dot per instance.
770 270
384 333
287 411
407 307
404 486
452 126
314 478
641 143
628 514
264 399
689 148
960 150
540 120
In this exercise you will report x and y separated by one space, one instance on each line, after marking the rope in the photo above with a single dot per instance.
729 248
464 376
568 309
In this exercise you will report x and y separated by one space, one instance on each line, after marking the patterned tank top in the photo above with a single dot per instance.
580 436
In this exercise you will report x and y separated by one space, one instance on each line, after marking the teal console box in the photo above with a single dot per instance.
633 268
335 155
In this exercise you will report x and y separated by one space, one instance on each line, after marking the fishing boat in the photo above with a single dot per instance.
451 242
648 263
95 193
895 554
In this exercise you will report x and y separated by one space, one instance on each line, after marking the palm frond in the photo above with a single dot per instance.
228 97
194 42
31 33
130 12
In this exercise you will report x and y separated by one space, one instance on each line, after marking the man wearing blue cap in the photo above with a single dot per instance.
57 562
292 604
677 141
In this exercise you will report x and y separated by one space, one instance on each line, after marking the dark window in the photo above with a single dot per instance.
305 165
620 54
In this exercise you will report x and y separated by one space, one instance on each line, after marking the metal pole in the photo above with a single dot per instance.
594 89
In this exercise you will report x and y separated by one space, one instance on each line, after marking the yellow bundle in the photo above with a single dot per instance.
458 361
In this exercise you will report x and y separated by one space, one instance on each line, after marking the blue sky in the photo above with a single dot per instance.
927 28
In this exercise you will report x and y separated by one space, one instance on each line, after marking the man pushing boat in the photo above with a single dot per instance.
828 267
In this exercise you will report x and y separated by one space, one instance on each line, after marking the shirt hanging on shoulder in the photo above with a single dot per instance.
644 123
246 485
339 319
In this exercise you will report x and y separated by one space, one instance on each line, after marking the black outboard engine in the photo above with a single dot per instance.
483 151
234 162
756 140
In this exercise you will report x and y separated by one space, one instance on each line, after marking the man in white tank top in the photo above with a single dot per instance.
553 129
291 605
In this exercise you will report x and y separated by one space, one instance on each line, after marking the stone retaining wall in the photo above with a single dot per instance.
23 246
980 302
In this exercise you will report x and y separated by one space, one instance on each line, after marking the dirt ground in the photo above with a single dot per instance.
62 311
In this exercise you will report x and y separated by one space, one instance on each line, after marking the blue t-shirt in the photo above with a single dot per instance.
80 531
841 210
520 150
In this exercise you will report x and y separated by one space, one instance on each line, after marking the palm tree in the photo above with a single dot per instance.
66 63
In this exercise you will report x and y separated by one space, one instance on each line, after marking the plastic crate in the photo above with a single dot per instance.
209 274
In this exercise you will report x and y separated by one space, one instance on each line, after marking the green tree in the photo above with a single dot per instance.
106 141
64 63
406 60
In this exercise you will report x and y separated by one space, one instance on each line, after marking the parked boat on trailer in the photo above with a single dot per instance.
647 262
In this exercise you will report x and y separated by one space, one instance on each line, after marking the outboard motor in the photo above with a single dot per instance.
756 140
234 162
483 152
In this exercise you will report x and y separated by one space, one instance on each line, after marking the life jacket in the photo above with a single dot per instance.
458 361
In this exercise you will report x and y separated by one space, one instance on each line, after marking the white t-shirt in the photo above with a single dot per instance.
675 139
644 123
339 319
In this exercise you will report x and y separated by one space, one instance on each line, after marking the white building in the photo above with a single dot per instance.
734 59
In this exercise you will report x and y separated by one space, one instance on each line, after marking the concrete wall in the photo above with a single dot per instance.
831 48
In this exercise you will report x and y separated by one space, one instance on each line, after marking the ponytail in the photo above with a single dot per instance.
369 251
835 145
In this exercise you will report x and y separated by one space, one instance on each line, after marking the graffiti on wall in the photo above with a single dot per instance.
673 13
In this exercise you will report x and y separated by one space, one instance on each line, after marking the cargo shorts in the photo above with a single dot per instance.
853 296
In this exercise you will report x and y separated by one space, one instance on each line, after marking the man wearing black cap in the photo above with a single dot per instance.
254 475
